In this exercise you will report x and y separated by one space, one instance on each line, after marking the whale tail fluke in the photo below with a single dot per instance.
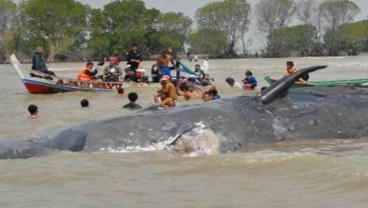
280 88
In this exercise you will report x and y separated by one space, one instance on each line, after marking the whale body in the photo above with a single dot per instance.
271 116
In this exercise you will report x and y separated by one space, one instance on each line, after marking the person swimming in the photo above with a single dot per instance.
121 91
233 84
133 97
84 103
189 93
33 111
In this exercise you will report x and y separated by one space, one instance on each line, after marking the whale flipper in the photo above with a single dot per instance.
280 88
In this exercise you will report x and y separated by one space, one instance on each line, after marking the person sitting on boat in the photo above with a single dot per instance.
129 75
134 57
112 72
290 69
199 71
87 73
250 82
38 63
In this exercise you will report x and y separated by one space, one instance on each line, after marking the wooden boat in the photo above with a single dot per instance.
334 83
37 82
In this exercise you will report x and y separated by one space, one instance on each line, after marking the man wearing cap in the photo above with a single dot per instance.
38 63
168 96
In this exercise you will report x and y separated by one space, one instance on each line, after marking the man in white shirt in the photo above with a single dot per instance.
205 65
233 84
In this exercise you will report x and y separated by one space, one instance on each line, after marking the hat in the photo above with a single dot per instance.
165 78
39 50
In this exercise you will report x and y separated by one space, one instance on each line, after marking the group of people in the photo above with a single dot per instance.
189 88
112 72
250 82
132 96
199 87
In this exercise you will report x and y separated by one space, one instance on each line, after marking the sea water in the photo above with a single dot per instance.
323 173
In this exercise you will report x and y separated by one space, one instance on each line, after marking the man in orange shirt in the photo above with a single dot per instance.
290 69
87 73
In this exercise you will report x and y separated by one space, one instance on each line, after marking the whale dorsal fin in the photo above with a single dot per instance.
281 87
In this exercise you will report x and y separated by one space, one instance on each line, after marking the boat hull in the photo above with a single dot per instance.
39 83
35 87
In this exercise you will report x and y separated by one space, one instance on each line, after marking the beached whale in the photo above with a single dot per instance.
223 125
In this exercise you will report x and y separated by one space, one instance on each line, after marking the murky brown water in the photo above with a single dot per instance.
330 173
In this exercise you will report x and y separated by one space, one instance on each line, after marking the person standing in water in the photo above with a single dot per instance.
38 64
205 65
250 82
167 95
163 64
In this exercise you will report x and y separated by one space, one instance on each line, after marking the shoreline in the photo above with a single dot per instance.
184 57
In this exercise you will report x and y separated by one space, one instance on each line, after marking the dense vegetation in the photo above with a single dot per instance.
68 29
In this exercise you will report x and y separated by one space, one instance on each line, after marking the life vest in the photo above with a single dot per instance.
83 76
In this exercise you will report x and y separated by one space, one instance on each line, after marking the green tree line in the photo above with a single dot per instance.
70 30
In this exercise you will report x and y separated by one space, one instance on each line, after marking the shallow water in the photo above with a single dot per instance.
321 173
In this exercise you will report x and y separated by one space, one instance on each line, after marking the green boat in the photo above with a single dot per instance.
352 82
